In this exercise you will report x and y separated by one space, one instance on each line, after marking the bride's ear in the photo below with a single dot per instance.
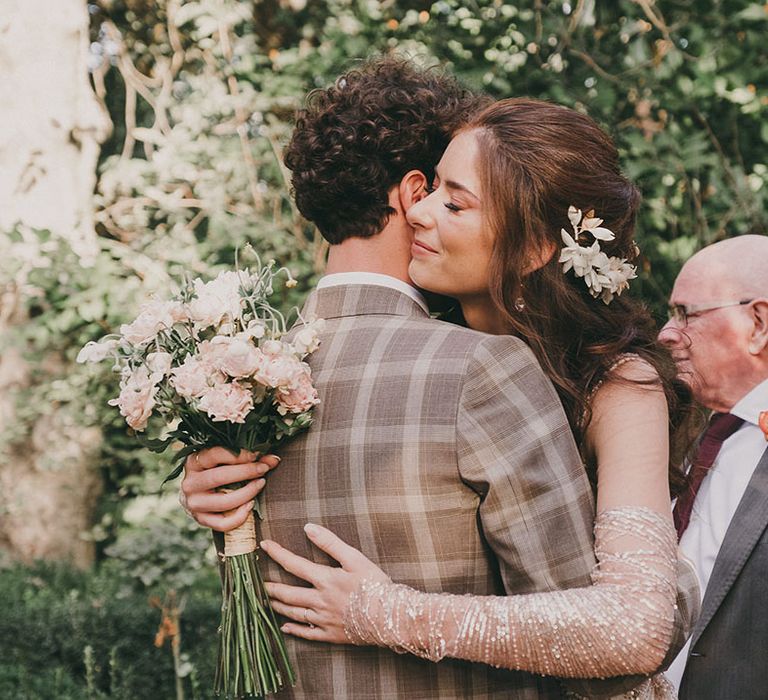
540 257
413 188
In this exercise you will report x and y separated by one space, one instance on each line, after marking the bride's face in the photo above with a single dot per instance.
452 246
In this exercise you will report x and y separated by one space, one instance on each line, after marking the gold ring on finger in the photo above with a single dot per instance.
306 618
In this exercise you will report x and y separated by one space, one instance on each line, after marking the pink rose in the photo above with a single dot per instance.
190 378
211 354
241 359
227 402
272 347
300 395
137 398
278 370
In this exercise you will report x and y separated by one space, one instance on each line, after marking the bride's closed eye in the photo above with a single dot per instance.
429 189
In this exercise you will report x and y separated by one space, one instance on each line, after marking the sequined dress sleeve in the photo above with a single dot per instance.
620 625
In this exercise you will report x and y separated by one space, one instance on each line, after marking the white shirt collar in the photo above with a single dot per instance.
753 404
374 278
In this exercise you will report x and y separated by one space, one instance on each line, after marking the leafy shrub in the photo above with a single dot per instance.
67 634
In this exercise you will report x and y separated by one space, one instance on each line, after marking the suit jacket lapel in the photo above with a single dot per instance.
748 524
360 300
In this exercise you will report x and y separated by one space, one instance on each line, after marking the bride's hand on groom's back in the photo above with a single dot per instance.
205 472
318 611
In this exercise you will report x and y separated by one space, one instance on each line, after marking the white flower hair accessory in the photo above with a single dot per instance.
603 275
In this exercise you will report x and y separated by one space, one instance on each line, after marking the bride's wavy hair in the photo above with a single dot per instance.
536 160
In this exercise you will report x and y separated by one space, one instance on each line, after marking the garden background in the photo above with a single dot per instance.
141 140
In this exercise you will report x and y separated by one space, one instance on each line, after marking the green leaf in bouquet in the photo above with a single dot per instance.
179 459
155 444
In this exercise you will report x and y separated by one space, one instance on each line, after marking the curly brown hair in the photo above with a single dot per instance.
536 160
356 139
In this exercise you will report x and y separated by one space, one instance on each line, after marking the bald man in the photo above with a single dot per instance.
718 334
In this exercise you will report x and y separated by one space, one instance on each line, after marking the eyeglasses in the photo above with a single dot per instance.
680 313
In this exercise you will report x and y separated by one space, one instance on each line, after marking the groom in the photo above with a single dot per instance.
442 453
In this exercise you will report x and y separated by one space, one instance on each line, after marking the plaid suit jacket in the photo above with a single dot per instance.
445 456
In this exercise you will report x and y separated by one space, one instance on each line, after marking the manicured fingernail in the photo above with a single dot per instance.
311 529
284 628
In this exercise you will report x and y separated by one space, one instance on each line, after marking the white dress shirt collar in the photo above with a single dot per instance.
753 404
374 278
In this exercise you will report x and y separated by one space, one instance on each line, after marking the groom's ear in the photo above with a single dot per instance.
412 189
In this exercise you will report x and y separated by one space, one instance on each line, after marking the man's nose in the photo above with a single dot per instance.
670 333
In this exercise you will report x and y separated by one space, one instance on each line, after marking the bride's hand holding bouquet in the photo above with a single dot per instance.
208 471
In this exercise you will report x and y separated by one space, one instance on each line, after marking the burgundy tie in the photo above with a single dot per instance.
721 427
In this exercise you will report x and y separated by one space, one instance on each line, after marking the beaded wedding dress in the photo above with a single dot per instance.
621 625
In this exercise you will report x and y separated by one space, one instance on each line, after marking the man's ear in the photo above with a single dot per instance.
758 339
412 189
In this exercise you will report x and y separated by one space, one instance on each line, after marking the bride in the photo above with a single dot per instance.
529 226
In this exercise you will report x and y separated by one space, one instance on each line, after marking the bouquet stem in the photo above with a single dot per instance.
253 661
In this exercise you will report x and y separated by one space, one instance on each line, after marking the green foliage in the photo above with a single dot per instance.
680 86
72 635
168 552
69 302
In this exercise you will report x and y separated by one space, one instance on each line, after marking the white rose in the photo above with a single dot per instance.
159 363
256 329
154 317
220 298
96 352
307 339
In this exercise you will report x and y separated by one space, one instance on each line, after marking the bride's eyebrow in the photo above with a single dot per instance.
453 185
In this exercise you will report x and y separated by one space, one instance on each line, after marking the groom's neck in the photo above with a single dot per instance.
384 254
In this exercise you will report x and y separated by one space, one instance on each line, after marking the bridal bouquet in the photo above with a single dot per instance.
212 364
